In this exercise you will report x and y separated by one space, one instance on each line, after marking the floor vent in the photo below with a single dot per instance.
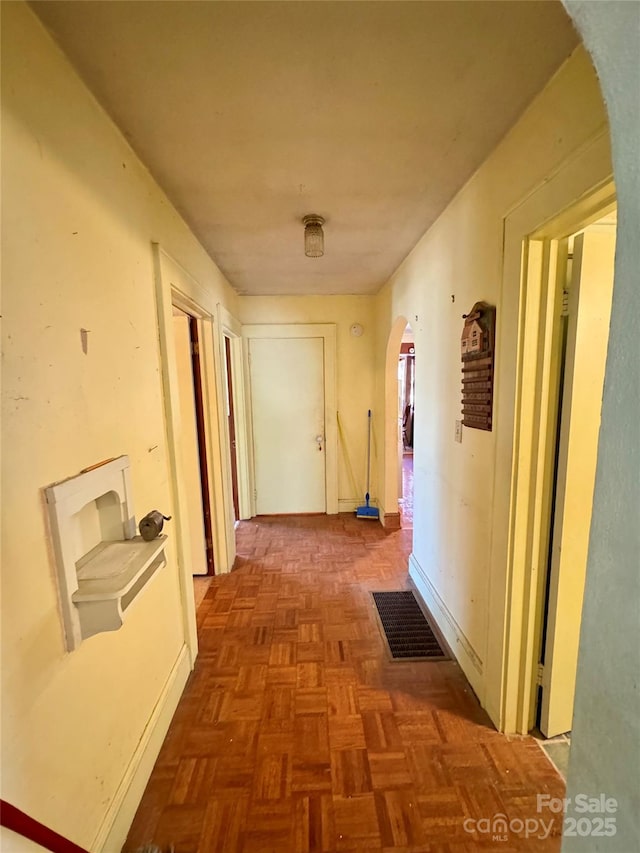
405 627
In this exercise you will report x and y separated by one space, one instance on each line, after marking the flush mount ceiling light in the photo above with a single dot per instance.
313 236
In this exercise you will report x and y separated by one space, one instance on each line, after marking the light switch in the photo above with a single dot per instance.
459 432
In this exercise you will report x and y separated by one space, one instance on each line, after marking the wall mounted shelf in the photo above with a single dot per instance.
102 565
109 578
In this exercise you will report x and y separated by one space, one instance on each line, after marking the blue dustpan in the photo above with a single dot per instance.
367 511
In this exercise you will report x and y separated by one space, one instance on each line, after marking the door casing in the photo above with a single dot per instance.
229 328
176 286
198 515
231 420
589 307
534 446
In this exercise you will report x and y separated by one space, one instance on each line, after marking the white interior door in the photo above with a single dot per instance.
590 295
288 413
189 444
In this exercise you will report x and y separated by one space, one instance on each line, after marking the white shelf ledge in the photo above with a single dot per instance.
111 568
109 578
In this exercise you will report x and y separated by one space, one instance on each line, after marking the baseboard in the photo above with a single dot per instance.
115 826
348 505
391 520
495 715
462 649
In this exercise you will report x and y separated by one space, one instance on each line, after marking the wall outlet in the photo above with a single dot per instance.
459 432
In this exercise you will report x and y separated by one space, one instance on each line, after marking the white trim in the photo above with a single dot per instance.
460 645
242 418
224 522
229 327
114 828
182 288
392 520
530 245
251 462
175 286
172 424
391 474
350 504
326 331
224 540
229 324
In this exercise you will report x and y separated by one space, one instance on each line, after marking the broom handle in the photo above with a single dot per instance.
368 451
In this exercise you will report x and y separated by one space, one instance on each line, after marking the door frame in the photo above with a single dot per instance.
326 331
231 422
390 509
196 342
176 286
192 386
229 327
535 420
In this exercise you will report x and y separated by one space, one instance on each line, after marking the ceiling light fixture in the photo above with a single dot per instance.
313 236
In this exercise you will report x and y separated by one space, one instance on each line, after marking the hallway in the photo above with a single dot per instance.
295 733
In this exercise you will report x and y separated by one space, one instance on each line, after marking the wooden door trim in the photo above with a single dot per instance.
326 331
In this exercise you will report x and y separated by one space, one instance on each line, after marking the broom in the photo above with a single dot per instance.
367 511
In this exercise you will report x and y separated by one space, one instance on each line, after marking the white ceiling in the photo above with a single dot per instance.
252 114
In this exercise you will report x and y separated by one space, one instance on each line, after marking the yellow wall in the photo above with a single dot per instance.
80 213
355 369
461 498
11 842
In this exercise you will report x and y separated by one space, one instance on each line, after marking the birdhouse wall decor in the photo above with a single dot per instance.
477 344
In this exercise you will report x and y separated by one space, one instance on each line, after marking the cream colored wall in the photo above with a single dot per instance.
80 213
11 842
461 491
355 369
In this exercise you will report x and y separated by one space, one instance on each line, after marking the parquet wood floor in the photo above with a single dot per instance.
296 733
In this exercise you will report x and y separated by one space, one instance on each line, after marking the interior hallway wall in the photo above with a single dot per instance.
605 747
79 215
461 503
355 369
